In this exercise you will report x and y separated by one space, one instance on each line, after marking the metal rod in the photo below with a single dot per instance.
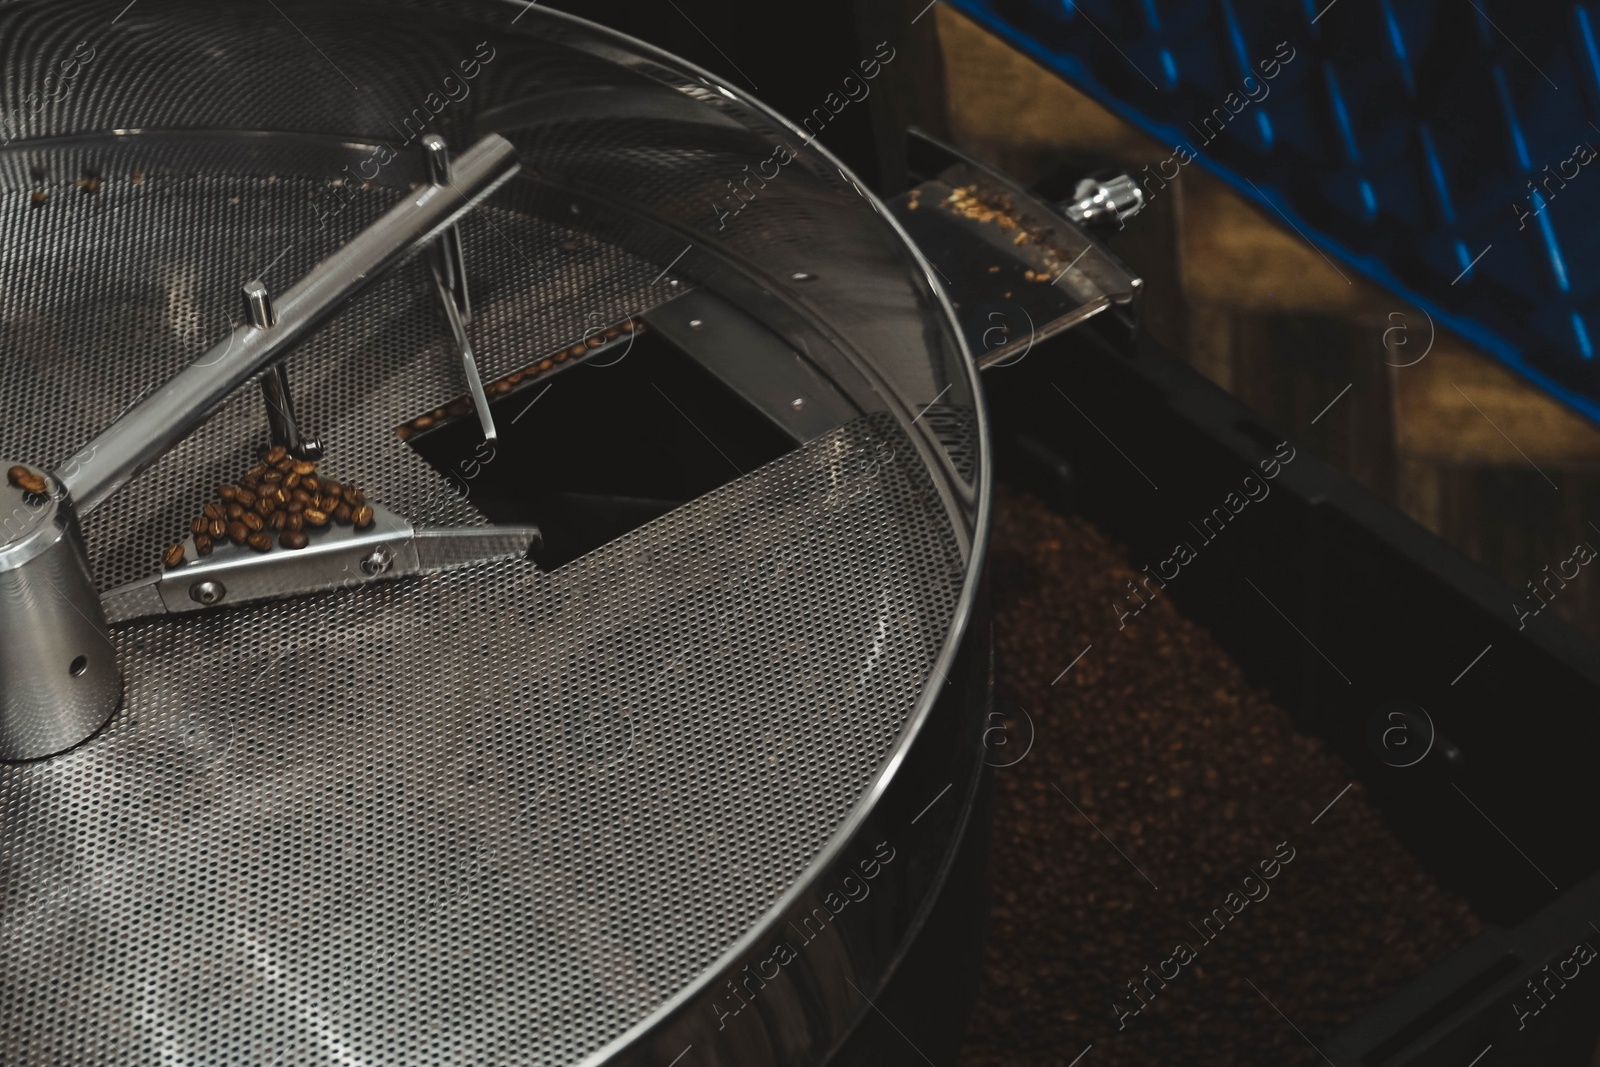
450 276
142 434
452 256
469 365
281 417
258 305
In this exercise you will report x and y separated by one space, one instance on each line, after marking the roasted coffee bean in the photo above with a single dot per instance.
250 481
341 514
227 492
200 526
294 521
286 464
278 495
362 516
234 510
253 521
353 495
291 480
292 539
173 556
303 496
295 507
29 481
245 499
1179 798
275 453
265 505
213 510
218 529
238 532
261 542
305 467
202 545
256 472
316 517
327 502
312 483
277 520
333 489
272 477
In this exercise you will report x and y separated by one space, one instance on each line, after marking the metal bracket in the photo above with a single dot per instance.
1016 271
337 557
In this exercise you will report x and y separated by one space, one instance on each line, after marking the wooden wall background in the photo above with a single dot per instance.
1480 457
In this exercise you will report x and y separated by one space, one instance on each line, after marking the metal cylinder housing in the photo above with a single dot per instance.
58 673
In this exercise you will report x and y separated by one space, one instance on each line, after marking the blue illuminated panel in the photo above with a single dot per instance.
1414 141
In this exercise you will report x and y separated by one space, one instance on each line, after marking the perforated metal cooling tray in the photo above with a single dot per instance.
493 815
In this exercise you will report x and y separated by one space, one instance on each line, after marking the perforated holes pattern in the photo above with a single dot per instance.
489 816
110 294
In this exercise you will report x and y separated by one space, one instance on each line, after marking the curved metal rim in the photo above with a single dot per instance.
836 846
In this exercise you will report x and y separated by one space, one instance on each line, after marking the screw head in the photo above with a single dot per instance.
207 592
377 561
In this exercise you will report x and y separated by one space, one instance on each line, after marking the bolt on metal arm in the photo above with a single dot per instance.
59 680
145 433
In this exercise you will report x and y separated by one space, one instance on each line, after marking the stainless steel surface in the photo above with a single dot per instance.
490 814
1097 201
282 421
458 332
452 260
332 560
155 424
50 614
337 557
449 265
281 417
58 674
580 816
1026 274
207 592
258 309
754 362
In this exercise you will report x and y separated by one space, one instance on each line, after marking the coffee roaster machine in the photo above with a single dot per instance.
643 716
637 718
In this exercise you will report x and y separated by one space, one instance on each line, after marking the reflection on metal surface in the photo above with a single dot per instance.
491 813
1006 258
337 557
1099 201
343 803
774 378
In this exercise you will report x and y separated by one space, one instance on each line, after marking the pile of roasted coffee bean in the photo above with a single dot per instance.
28 480
1155 750
281 497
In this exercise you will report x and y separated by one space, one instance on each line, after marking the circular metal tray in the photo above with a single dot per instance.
674 798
